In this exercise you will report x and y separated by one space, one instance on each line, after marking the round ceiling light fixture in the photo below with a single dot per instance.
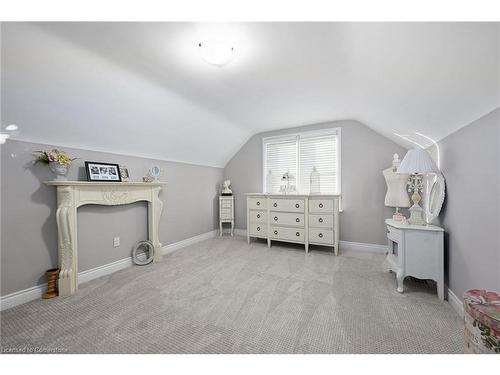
216 52
11 127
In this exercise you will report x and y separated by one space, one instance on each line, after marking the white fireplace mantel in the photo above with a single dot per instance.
73 194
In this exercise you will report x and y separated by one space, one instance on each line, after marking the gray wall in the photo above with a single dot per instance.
365 153
470 162
29 243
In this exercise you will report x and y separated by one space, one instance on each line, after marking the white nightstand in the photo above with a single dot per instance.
226 212
416 250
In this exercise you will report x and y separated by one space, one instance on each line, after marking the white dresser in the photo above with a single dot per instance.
416 250
226 212
304 219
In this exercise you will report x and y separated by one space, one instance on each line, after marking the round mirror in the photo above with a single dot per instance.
155 171
434 196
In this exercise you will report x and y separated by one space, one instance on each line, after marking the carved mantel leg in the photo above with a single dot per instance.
155 208
67 242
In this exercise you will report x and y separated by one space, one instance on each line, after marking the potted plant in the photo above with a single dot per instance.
58 162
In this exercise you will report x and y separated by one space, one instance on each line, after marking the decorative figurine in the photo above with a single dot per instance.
314 182
226 191
287 183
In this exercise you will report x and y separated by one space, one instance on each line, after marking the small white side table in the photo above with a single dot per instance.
416 250
226 212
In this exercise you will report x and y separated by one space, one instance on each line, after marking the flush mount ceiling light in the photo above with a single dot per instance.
11 127
216 52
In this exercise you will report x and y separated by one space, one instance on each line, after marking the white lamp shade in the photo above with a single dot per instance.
418 161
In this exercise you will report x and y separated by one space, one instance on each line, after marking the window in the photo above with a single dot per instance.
298 154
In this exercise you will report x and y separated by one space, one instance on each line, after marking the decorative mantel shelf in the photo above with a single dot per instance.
73 194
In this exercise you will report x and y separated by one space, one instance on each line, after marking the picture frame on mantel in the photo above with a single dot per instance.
124 173
102 172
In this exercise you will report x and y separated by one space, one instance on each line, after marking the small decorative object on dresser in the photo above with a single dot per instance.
314 182
226 191
417 162
304 219
124 173
415 251
102 172
287 185
58 162
226 212
396 195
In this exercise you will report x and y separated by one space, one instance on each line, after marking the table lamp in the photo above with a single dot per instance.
417 162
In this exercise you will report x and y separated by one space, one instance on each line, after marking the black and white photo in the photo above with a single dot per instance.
97 171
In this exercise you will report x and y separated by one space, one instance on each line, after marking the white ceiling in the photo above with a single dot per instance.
89 82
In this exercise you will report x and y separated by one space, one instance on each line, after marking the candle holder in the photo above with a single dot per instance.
52 276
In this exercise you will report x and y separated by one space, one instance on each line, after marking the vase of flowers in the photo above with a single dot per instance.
58 162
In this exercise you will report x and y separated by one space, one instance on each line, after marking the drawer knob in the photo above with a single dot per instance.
297 220
320 235
275 205
258 203
320 205
297 205
320 219
276 218
258 229
275 232
258 216
297 234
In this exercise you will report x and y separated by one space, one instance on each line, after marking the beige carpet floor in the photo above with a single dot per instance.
225 296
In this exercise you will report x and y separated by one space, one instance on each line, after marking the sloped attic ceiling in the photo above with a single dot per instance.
142 89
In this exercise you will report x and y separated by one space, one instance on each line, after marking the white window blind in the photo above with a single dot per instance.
299 154
280 157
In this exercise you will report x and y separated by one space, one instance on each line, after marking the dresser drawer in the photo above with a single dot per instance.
291 234
321 221
318 205
321 236
394 234
226 204
287 205
254 203
283 218
257 216
259 230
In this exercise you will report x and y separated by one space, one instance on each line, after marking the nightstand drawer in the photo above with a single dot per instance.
394 234
291 234
288 205
256 203
322 236
257 216
284 218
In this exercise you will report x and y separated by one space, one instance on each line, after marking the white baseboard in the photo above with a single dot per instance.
361 246
189 241
22 296
104 270
456 303
35 292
